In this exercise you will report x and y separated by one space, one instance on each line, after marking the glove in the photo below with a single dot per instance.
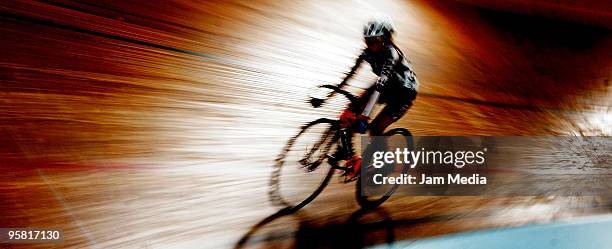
316 102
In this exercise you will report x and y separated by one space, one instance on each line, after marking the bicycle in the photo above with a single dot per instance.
331 142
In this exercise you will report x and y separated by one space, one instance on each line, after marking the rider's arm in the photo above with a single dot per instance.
387 68
316 102
353 70
385 75
373 99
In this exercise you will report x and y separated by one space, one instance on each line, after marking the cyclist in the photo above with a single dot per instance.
396 86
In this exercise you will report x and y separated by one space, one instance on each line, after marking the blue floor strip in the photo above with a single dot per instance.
589 233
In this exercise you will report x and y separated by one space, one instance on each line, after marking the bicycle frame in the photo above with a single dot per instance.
343 134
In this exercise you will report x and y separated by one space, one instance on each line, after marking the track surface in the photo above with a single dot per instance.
155 125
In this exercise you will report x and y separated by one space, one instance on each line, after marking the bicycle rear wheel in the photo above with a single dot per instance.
300 173
369 194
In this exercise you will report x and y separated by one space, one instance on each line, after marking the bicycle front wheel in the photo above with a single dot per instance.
300 172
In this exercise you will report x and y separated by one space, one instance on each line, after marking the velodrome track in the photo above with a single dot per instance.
155 125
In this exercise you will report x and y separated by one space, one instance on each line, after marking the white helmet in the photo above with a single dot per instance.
378 27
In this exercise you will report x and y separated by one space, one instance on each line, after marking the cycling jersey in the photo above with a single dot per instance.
390 64
392 67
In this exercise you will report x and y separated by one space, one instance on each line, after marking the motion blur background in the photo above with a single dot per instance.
154 124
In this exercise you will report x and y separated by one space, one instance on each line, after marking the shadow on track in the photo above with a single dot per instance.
364 227
350 234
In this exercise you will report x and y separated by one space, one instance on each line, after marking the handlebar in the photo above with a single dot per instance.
318 102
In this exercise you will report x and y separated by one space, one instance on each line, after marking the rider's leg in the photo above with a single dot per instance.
377 129
392 112
354 161
381 122
389 115
349 116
